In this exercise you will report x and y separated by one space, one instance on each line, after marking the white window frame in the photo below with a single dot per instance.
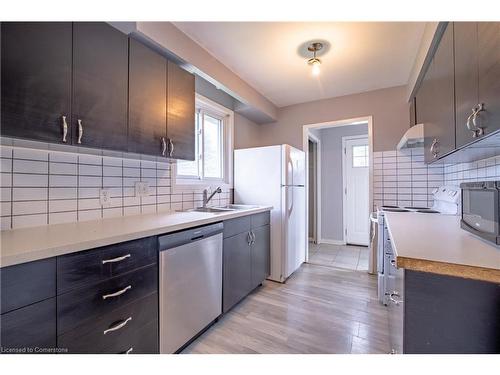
183 183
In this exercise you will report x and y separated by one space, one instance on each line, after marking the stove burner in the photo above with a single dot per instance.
428 211
383 207
417 208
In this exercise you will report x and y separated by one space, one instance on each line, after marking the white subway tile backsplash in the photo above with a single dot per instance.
29 194
30 154
62 217
28 180
40 187
89 170
63 181
30 166
89 215
63 168
24 221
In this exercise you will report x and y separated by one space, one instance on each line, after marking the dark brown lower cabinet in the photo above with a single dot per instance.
31 329
438 314
246 258
131 328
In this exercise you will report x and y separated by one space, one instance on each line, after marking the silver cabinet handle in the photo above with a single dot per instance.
118 326
249 239
118 259
478 130
163 146
80 131
129 350
171 147
253 237
433 149
394 301
116 294
474 128
65 129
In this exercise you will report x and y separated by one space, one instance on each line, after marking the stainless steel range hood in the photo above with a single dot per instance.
414 137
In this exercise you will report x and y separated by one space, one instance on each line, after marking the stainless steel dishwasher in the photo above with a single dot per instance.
190 284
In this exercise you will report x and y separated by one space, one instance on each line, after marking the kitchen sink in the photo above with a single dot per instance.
214 210
237 207
221 209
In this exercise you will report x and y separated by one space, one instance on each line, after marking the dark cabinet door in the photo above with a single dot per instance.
237 280
489 75
260 255
147 126
36 80
100 86
466 78
180 113
439 103
30 327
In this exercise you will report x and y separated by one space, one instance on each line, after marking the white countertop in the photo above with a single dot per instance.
436 243
29 244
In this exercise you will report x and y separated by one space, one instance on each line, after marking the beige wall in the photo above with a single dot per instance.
388 107
246 132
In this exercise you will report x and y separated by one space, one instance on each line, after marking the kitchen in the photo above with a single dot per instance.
155 194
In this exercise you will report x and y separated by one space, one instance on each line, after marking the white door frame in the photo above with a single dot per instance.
344 183
331 124
317 212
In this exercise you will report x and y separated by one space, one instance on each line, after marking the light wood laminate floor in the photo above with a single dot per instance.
319 310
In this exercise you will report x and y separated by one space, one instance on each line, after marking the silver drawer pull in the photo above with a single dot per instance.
129 350
118 259
118 326
116 294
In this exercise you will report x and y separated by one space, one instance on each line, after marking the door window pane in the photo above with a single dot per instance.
212 147
360 156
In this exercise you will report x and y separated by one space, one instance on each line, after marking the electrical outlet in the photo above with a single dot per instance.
141 189
104 197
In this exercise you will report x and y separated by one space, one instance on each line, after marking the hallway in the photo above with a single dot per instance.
341 256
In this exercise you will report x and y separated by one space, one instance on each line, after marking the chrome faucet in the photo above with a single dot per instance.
207 198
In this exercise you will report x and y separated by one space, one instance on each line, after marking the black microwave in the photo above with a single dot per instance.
480 209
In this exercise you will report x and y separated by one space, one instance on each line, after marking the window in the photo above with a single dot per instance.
213 163
360 156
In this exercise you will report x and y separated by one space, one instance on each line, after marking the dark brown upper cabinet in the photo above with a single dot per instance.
100 86
36 80
477 80
180 113
147 129
436 100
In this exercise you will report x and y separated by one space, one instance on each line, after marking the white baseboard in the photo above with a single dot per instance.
332 242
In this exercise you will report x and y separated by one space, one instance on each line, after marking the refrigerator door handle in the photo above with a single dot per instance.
291 205
290 162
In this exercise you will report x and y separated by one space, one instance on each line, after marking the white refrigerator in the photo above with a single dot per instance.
275 176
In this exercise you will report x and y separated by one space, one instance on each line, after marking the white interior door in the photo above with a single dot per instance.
356 191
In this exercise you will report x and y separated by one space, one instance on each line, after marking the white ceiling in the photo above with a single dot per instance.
363 56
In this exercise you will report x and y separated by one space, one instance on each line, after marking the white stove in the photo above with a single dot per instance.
446 201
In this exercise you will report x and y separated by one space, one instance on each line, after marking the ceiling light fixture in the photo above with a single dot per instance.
314 61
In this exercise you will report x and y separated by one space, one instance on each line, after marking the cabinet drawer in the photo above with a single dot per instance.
19 290
259 220
92 266
30 327
236 226
140 331
78 306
